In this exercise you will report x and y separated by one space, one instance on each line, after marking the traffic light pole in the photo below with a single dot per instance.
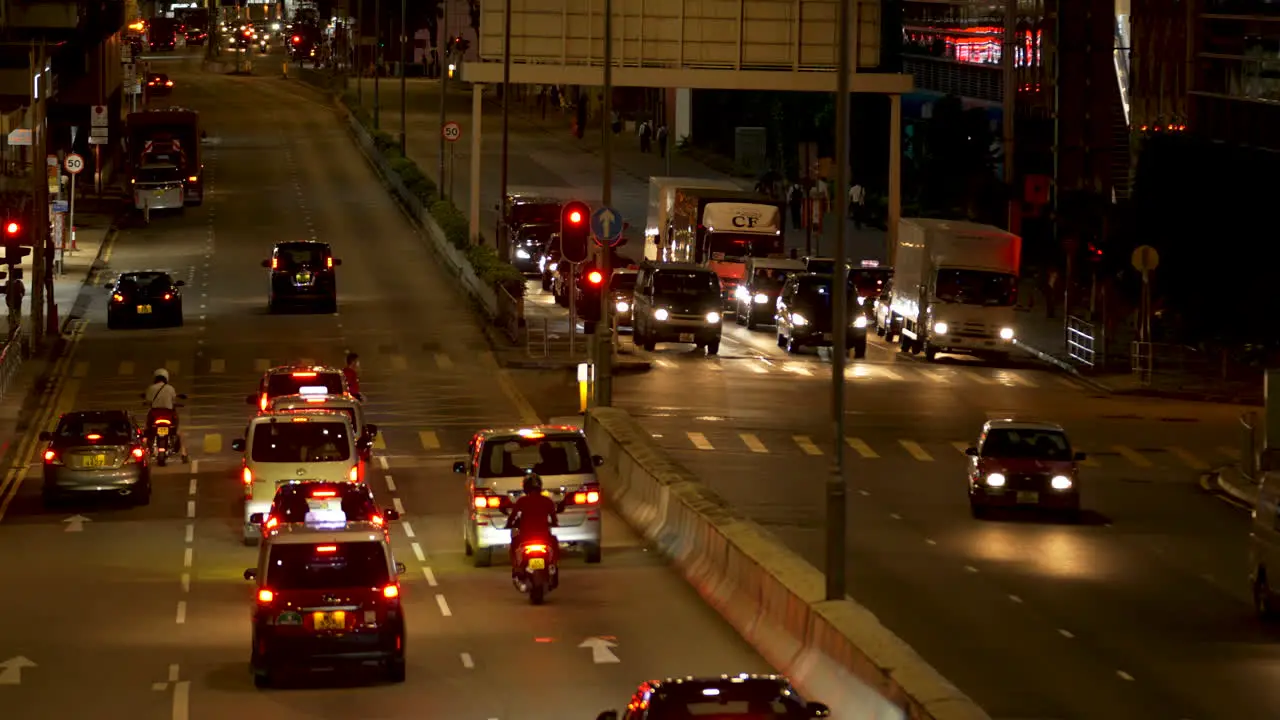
604 328
40 202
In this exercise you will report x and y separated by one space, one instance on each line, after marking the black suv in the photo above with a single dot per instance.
149 297
676 302
805 315
302 273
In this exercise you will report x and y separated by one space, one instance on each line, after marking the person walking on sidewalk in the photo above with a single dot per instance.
646 136
661 137
857 204
796 200
13 299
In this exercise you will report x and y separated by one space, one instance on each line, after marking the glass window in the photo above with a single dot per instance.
117 431
294 502
1027 443
739 705
623 282
870 282
976 287
304 567
686 283
146 280
301 442
545 456
289 384
294 256
529 213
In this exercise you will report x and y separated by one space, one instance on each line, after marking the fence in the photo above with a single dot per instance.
510 314
11 359
1080 341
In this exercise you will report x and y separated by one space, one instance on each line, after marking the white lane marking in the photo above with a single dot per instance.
1065 633
181 618
408 529
977 377
391 484
660 362
191 486
895 516
417 552
188 556
1012 378
930 541
186 582
970 568
191 508
753 443
191 533
444 606
399 507
1016 599
173 672
382 462
914 449
864 493
467 662
182 700
935 375
430 576
1124 675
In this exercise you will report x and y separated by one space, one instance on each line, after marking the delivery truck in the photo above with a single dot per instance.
721 229
954 288
662 195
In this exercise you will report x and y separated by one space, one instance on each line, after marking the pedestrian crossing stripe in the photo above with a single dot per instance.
429 440
753 443
807 445
861 448
399 363
434 362
700 441
1131 456
1187 458
915 450
217 366
126 367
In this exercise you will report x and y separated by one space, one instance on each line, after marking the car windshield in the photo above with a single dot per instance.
294 256
301 442
159 174
824 266
295 503
315 567
976 287
566 455
686 283
110 431
623 282
814 291
768 279
305 383
1027 443
534 234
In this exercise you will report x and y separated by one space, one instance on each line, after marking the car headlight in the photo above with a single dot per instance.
552 266
661 314
761 298
622 306
522 254
940 328
1060 482
741 293
713 317
861 301
995 480
798 319
1006 333
860 321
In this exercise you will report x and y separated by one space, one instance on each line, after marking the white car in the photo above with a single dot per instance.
354 409
293 446
499 460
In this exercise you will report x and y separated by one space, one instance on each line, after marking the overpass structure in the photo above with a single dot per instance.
768 45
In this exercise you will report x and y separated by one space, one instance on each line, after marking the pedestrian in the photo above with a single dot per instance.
796 199
555 96
615 122
13 299
542 100
662 140
646 136
857 204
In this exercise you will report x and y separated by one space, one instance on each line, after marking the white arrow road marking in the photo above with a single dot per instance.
11 674
75 523
600 650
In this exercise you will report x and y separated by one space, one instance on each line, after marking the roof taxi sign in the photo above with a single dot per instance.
313 390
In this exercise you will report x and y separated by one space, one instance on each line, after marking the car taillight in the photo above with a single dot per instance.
271 523
324 493
262 402
589 496
391 592
169 83
487 500
51 458
138 453
377 520
168 296
275 264
117 298
163 421
328 263
247 476
266 597
354 475
535 549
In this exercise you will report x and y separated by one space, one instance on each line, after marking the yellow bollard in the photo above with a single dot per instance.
285 66
584 385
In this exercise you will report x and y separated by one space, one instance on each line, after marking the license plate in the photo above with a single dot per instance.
686 337
93 461
304 277
162 431
537 564
159 193
1028 497
336 620
144 309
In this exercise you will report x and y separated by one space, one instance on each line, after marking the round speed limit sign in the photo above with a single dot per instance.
74 164
452 131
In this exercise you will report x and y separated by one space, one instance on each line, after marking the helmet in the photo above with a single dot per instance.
532 484
162 375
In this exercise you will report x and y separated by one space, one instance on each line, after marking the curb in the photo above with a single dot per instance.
1064 366
99 264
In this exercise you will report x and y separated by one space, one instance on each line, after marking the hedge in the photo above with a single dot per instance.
457 230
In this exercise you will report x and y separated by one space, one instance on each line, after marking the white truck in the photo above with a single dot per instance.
954 288
658 229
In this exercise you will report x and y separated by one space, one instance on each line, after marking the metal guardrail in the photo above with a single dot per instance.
11 358
1142 359
510 313
1249 444
1080 341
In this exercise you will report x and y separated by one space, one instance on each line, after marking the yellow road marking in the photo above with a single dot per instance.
212 443
429 440
443 361
262 364
861 448
753 443
700 441
399 362
807 445
126 367
961 447
1132 456
1187 458
218 366
915 450
379 443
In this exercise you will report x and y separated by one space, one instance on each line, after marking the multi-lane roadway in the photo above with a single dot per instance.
142 613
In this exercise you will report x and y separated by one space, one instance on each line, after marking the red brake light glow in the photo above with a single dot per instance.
354 475
247 476
94 436
325 493
535 548
163 421
50 456
589 497
138 453
328 262
265 596
594 277
263 402
168 296
304 374
275 263
326 548
271 522
391 591
377 520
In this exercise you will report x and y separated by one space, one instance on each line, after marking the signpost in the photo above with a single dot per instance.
1145 259
452 133
74 164
606 227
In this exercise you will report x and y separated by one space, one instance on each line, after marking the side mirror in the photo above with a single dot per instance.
249 399
266 263
337 261
818 710
180 283
971 451
608 715
401 569
460 467
46 436
597 460
390 515
257 518
237 445
250 574
1081 457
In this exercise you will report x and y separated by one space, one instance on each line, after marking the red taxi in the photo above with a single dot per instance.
1023 464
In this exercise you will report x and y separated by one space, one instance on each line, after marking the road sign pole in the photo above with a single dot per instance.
604 328
71 213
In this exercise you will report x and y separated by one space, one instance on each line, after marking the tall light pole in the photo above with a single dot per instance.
604 328
404 59
359 55
442 62
377 62
837 492
503 242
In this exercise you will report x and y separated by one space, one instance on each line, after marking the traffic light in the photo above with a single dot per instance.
575 231
297 39
13 254
595 278
15 232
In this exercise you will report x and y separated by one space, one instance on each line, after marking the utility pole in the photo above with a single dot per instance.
377 62
504 242
405 63
442 61
39 198
359 55
837 492
604 328
1009 57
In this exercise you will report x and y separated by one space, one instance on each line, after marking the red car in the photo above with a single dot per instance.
1024 464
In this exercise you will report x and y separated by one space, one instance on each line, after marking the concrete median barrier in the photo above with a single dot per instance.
837 652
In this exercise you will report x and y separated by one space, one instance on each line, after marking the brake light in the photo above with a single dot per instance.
50 457
262 402
315 400
301 419
163 421
275 263
535 549
247 476
586 497
391 591
193 178
271 523
169 83
265 596
117 297
325 493
138 453
93 437
486 500
328 262
354 475
168 296
304 374
326 548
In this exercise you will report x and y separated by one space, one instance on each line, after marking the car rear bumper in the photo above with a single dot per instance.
277 649
816 338
64 480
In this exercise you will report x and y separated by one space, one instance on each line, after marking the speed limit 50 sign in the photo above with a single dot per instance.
451 131
73 163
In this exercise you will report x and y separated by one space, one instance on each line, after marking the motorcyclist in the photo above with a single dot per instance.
532 518
161 399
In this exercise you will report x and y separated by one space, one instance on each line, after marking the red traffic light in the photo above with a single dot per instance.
297 39
595 277
575 217
12 228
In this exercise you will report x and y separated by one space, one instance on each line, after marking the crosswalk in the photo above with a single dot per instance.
762 443
869 372
436 362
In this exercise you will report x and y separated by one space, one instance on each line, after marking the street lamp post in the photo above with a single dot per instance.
604 328
442 64
404 48
502 241
377 62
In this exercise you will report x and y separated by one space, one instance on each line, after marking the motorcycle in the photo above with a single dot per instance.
538 573
161 437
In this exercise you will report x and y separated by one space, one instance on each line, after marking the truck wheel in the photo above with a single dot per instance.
713 348
904 343
860 351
